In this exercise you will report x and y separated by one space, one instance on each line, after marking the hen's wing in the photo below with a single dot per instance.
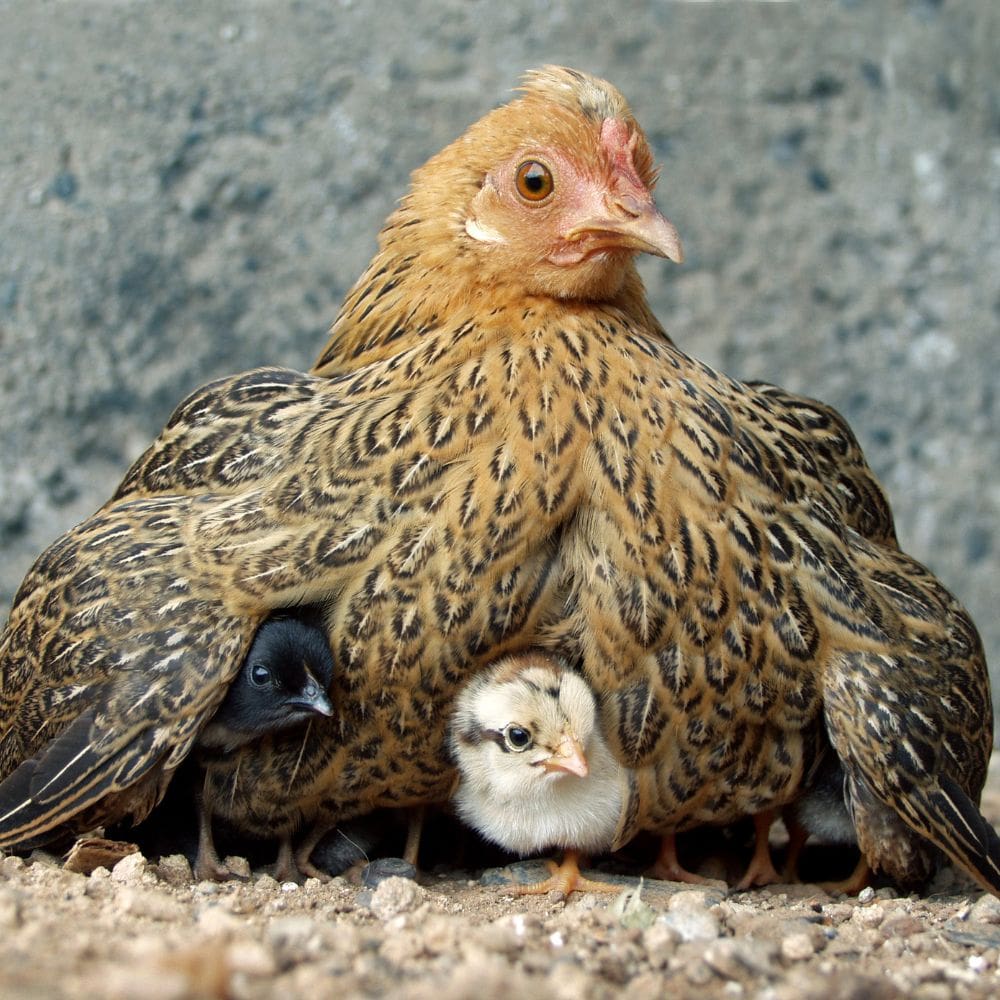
912 726
836 458
112 659
390 497
226 436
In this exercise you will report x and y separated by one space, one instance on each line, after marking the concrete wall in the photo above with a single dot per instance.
188 189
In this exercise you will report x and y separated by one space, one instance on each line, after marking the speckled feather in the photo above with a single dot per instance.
480 466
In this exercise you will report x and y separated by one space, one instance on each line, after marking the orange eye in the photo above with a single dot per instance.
534 181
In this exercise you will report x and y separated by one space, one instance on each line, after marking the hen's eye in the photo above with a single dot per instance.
517 738
259 675
534 181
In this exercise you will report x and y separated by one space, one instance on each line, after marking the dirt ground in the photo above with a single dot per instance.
147 930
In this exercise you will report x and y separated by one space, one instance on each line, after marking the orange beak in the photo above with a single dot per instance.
569 758
631 223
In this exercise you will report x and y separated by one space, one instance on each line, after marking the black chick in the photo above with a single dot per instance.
283 683
823 810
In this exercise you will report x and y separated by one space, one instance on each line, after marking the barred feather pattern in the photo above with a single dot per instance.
549 482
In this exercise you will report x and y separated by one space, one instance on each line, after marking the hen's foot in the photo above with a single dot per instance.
667 866
859 879
761 870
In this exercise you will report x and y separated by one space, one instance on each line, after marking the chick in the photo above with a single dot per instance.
823 811
282 684
535 770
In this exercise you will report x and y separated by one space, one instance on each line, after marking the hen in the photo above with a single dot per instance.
501 449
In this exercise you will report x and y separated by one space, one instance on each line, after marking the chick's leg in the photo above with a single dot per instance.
284 868
761 870
668 867
303 855
797 837
414 829
208 867
565 878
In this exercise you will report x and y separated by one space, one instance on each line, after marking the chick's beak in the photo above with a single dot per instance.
314 699
631 222
568 758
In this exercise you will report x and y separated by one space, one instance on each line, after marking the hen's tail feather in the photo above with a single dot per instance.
70 775
972 842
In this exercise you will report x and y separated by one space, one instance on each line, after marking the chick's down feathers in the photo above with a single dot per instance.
535 771
500 449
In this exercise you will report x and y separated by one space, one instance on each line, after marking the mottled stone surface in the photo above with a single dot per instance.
189 189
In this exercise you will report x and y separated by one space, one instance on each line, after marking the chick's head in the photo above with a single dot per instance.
282 683
519 730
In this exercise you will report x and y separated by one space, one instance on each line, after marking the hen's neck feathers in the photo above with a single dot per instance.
429 273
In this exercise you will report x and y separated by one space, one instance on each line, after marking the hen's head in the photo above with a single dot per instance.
551 193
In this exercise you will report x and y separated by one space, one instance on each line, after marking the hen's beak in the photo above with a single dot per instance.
630 223
569 758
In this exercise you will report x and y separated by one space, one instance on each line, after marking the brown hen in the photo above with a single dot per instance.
501 449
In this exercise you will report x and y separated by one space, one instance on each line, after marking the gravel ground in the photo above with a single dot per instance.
146 931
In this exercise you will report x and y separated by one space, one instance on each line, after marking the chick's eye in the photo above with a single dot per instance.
517 738
259 675
534 181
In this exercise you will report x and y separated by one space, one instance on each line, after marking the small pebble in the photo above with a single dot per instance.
977 963
740 958
265 884
131 870
986 910
12 865
10 908
660 942
373 874
99 884
901 925
837 913
798 947
868 916
688 914
174 869
240 867
698 973
394 896
866 895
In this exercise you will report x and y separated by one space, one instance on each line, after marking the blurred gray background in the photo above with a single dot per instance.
189 188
